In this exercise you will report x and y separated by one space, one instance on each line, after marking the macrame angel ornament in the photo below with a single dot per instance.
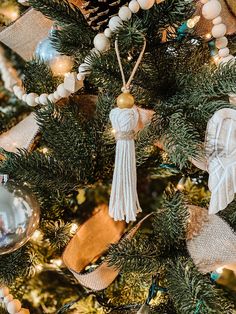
220 158
124 203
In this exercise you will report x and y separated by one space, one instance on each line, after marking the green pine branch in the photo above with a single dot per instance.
38 78
170 223
59 10
193 293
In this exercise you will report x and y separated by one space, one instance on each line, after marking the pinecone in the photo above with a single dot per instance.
98 12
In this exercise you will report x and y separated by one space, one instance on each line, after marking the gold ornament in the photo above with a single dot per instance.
125 100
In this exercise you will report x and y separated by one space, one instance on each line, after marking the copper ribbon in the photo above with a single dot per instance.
90 242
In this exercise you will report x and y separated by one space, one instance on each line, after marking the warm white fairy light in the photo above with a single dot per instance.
220 270
37 235
45 150
74 227
10 12
57 262
191 23
39 268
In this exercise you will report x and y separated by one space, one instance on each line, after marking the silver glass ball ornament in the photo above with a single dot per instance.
45 51
59 64
19 216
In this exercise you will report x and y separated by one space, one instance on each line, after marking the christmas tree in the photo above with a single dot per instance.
67 149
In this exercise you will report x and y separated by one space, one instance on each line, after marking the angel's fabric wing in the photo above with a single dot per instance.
221 156
21 135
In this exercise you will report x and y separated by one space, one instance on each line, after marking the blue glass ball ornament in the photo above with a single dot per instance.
59 64
45 51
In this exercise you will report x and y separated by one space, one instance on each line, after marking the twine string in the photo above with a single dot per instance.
126 86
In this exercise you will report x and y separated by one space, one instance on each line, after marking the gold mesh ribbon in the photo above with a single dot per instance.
26 32
212 243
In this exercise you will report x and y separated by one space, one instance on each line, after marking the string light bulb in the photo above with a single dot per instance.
37 235
61 65
73 228
57 262
193 21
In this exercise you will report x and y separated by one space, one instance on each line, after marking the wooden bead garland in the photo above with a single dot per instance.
211 11
13 306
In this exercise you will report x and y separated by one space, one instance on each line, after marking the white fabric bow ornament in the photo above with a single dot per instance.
221 158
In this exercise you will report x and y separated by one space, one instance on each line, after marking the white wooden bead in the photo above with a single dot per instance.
125 13
56 95
219 30
4 291
211 9
134 6
227 59
146 4
14 306
19 94
8 298
101 42
84 69
114 23
37 101
62 92
80 77
221 42
217 20
43 99
24 97
224 52
51 97
16 89
30 99
71 83
107 32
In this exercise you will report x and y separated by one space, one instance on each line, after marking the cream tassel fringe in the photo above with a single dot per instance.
124 198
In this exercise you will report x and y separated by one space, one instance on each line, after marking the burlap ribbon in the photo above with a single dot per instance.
90 242
26 32
21 135
211 242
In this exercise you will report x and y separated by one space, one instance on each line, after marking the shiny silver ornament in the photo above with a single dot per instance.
19 216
